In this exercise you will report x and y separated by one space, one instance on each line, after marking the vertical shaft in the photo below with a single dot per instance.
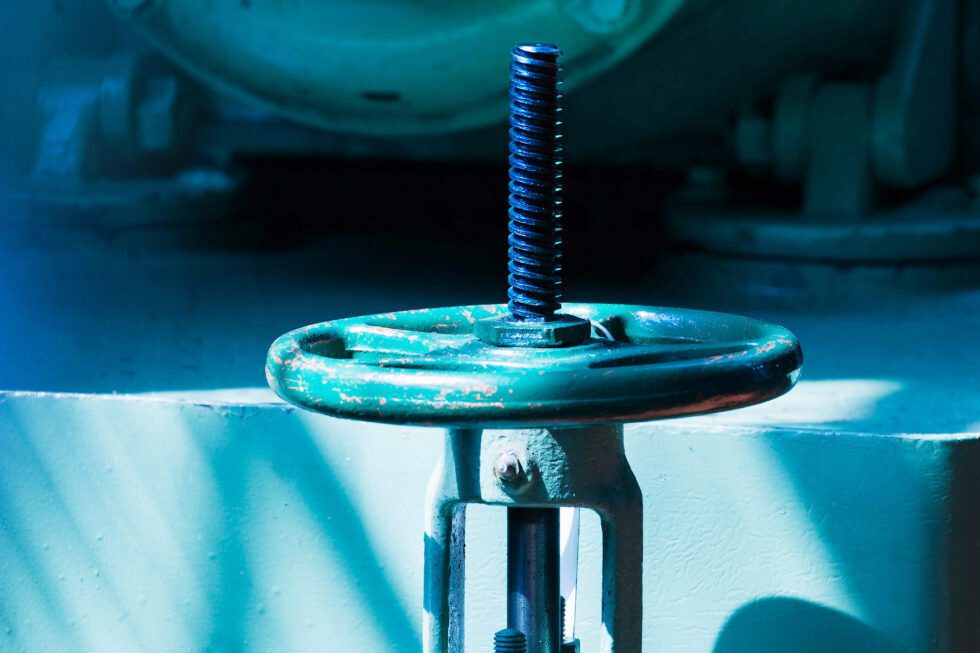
535 183
533 574
533 579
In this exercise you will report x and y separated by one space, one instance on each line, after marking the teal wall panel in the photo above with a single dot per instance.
178 524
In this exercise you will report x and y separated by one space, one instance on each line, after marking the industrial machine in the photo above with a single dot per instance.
825 148
184 181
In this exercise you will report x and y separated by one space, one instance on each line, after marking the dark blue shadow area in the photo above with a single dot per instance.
185 321
963 563
788 625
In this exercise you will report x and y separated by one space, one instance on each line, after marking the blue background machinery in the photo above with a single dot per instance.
182 181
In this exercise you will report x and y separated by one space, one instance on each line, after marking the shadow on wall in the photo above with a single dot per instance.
147 525
778 625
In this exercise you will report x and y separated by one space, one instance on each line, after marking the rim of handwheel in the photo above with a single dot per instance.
426 367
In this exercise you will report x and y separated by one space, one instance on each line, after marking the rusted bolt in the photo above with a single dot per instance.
507 468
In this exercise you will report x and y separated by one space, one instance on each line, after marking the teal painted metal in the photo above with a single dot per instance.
388 67
560 467
426 367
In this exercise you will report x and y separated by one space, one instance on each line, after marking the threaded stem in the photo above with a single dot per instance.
509 640
561 611
535 183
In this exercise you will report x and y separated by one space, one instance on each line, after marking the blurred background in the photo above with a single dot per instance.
181 181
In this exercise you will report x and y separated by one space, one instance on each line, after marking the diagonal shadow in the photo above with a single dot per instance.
782 624
24 427
25 557
898 492
229 606
299 462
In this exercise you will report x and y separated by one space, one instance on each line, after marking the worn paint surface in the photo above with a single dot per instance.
583 467
426 367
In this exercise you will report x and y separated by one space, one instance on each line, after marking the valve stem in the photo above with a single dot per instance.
535 183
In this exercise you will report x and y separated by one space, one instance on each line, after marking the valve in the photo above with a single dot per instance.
533 395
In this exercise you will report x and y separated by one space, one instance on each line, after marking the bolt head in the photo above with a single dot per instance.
507 468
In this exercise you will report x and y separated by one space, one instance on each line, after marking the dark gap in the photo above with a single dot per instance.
382 96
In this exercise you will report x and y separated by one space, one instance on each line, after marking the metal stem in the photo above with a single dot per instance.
535 183
533 549
533 578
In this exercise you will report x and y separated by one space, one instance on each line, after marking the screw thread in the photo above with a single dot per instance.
509 640
563 636
535 183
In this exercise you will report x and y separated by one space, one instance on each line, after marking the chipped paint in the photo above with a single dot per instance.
426 367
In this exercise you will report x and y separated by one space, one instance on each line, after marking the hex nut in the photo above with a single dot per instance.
504 331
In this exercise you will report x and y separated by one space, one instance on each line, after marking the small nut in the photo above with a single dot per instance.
507 468
503 331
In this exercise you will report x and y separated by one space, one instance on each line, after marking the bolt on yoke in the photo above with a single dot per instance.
532 401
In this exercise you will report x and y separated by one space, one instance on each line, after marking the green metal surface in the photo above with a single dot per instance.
387 67
560 468
426 367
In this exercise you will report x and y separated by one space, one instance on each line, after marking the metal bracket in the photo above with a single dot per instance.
583 467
